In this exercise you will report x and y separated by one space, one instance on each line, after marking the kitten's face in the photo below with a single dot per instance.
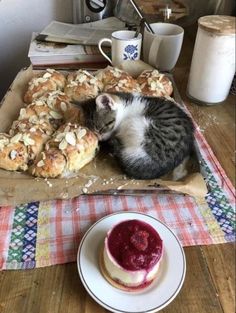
102 123
101 117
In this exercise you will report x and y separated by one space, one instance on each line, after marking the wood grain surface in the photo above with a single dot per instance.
209 286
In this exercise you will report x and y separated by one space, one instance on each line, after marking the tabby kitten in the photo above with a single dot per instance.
150 136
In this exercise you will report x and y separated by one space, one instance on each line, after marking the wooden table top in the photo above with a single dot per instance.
209 285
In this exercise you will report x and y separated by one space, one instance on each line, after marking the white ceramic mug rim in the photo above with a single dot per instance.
181 30
113 35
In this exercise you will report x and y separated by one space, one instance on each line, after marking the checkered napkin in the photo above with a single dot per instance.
46 233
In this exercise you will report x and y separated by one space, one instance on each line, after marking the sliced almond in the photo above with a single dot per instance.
67 128
47 75
40 80
50 70
72 84
16 138
93 81
81 78
39 102
81 132
42 122
13 154
55 115
117 74
59 137
63 145
33 119
70 138
22 112
40 163
27 140
24 167
42 114
3 138
153 85
63 106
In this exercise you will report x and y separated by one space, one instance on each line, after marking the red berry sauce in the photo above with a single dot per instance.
135 245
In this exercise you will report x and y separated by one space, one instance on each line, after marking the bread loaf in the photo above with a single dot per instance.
50 80
82 85
153 83
70 148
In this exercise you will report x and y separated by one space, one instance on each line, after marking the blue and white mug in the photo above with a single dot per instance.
124 46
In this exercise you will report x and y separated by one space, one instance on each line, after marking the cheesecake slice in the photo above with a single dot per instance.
131 255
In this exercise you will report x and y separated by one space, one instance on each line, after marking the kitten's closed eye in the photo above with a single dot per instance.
107 126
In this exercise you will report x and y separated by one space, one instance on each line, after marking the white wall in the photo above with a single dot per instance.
18 19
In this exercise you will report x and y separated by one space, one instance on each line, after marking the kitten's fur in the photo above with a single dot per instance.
150 136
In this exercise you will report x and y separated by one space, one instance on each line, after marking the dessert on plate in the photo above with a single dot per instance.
131 255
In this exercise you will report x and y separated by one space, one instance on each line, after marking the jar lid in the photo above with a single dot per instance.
218 24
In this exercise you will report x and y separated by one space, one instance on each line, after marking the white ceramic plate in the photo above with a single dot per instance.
158 295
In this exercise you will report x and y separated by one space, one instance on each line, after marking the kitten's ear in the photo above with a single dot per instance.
105 101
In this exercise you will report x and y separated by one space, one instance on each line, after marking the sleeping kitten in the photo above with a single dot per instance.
150 136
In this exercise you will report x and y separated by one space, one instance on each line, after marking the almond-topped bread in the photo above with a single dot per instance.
70 148
82 85
59 102
13 153
153 83
32 125
50 80
112 75
127 84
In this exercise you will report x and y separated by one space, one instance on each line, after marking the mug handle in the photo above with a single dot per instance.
153 53
100 47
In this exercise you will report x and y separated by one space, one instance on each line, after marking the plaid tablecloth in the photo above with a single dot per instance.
45 233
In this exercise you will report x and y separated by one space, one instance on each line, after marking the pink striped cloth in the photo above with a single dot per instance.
46 233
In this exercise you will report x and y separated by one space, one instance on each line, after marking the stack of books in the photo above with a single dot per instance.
44 54
62 45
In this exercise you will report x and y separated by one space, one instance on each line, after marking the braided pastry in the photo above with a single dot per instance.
82 85
153 83
70 148
51 80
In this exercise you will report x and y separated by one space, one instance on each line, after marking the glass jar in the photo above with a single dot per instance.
213 62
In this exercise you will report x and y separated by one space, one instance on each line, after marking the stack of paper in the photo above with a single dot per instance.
50 53
86 33
68 45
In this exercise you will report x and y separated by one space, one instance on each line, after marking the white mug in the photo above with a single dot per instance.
162 49
124 46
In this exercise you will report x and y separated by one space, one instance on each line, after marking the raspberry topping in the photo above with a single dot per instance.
140 240
135 245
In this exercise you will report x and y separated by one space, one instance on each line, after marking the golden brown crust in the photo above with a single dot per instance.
82 85
33 141
31 125
76 144
112 75
13 154
50 80
39 140
107 276
49 164
113 282
126 84
153 83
